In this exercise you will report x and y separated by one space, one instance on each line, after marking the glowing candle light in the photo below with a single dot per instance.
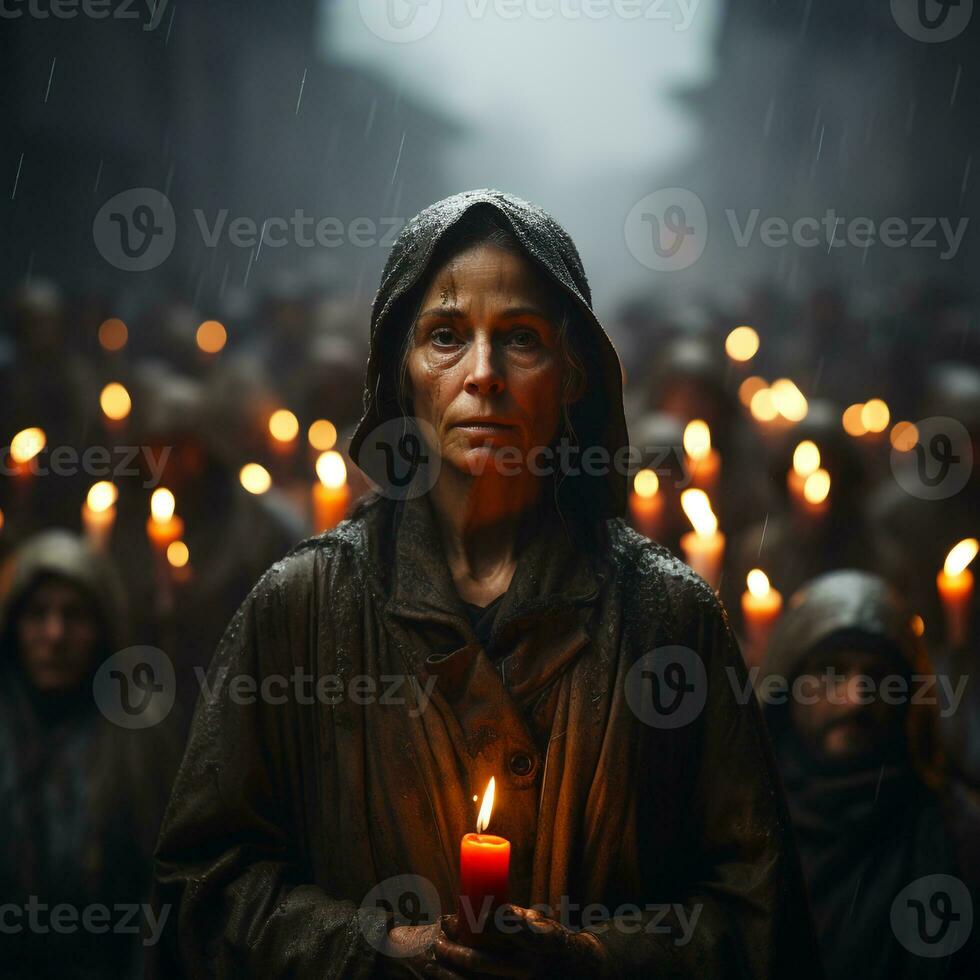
25 446
484 871
99 513
955 584
322 435
875 415
163 527
255 478
331 495
816 491
283 427
115 402
703 462
788 400
646 503
761 606
806 460
742 344
211 337
704 547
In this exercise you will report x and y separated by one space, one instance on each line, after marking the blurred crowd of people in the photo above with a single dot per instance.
157 462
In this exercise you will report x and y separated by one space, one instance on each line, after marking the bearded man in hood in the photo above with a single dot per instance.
534 631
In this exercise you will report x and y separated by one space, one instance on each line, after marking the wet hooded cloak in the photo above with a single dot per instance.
80 798
863 835
289 810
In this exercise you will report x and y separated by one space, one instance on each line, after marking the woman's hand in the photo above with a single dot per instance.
532 946
412 951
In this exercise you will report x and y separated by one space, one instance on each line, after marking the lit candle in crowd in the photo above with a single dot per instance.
255 478
703 462
211 337
761 606
178 558
704 547
955 584
24 446
816 491
646 503
484 870
163 527
284 428
742 344
115 404
99 513
806 460
331 494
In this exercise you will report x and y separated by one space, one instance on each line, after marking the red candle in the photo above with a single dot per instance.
484 867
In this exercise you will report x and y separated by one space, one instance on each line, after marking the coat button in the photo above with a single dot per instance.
521 763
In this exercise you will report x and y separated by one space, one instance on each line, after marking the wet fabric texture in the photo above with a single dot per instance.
866 834
290 809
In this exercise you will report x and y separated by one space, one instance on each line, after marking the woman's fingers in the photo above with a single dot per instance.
478 961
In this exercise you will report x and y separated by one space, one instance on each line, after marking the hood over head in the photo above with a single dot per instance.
65 555
597 417
846 607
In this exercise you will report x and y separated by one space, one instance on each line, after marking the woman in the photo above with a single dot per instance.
883 821
501 584
80 797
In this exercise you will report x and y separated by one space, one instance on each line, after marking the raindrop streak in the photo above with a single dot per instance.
767 125
370 117
302 84
224 281
258 250
20 163
50 76
762 537
398 159
173 13
966 176
251 255
98 175
956 85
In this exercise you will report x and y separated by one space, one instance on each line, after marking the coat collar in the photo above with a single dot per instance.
553 573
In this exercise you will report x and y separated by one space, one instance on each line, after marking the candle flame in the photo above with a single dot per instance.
101 496
255 478
486 807
27 444
817 487
697 507
789 401
115 401
283 425
960 555
322 435
697 439
331 469
178 554
742 344
646 483
162 505
806 458
762 405
875 415
758 582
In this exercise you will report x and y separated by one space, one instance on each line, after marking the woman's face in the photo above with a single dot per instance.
485 369
57 633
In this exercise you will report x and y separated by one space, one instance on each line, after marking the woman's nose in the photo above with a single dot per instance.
482 374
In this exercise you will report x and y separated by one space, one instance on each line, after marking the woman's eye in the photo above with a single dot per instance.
443 336
524 338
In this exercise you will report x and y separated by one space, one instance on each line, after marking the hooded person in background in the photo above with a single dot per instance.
80 798
518 609
855 742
